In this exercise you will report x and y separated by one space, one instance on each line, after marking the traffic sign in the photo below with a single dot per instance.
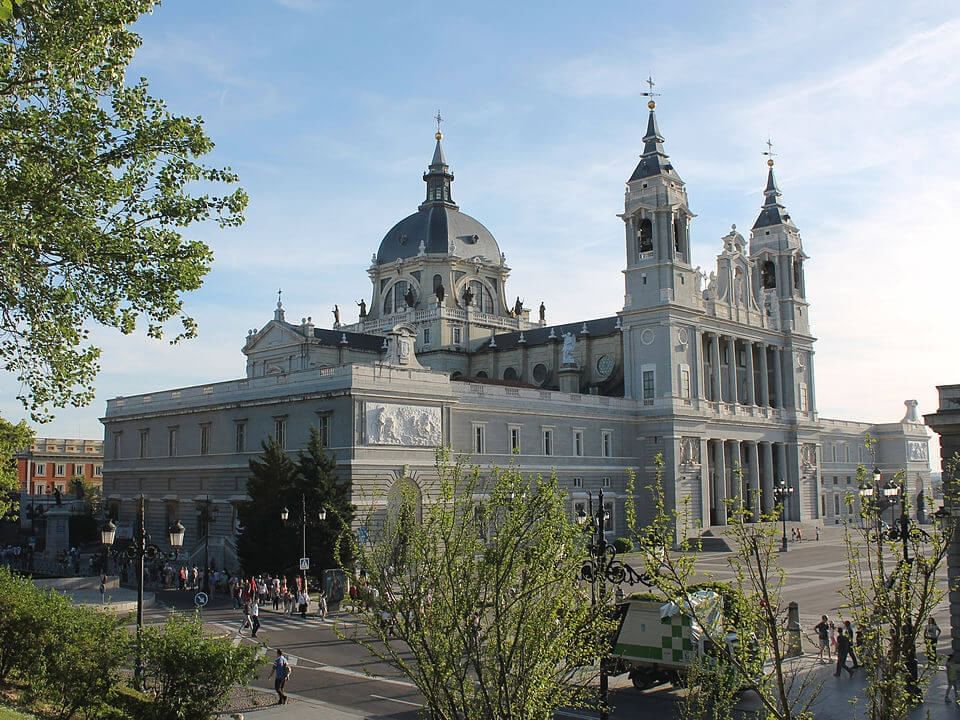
304 563
200 599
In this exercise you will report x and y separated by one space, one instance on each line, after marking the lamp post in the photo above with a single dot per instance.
601 567
782 493
209 515
139 549
321 515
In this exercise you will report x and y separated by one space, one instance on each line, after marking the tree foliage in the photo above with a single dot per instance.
479 603
98 181
269 545
892 597
189 672
13 439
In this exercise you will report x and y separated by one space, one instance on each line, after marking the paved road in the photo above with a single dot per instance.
339 672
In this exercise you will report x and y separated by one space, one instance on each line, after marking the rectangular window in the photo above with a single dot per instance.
241 432
323 430
60 470
608 516
848 479
835 479
426 336
98 470
205 439
547 441
457 336
40 469
578 482
479 438
144 442
280 431
606 482
649 387
172 442
606 443
836 504
684 381
578 443
514 438
579 507
61 487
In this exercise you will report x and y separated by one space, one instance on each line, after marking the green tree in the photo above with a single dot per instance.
479 603
272 476
98 181
13 439
190 672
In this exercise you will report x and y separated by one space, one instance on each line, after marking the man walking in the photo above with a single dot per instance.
823 638
246 618
843 649
848 631
280 671
255 616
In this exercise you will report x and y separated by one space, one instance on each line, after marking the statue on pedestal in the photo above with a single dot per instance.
543 313
363 308
336 316
569 343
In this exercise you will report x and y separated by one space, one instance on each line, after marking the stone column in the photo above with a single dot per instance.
736 463
631 242
717 394
732 368
764 376
706 498
811 385
754 448
778 381
750 381
698 362
719 483
768 474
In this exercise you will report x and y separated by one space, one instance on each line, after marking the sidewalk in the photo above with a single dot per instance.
302 708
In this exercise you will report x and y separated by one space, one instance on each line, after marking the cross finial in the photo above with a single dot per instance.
439 118
650 93
279 297
770 153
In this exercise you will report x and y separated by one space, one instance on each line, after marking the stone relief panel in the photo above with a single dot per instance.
391 424
916 451
689 451
808 456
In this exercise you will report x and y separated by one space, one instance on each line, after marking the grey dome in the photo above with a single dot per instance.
437 225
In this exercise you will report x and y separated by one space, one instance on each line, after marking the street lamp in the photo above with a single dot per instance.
208 515
285 515
601 567
782 493
138 550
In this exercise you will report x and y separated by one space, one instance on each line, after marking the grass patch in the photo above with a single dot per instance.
8 714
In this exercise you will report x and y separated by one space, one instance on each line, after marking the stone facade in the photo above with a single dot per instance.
713 370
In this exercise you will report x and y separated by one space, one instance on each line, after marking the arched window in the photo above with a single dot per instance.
768 275
645 236
437 281
482 374
678 236
798 275
480 297
509 374
395 300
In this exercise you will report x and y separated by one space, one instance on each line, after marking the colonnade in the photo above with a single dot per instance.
763 465
762 372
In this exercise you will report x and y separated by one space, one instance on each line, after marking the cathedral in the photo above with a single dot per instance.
713 370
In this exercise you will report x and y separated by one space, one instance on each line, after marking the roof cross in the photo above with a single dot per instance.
279 296
650 93
439 118
770 153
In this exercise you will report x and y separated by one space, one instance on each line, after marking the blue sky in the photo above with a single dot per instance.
325 110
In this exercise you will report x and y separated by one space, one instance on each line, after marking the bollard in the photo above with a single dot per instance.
794 647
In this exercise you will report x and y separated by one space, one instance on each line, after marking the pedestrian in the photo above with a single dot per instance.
799 535
793 534
303 600
818 533
103 589
322 605
255 616
823 638
951 679
247 622
833 635
931 634
843 649
848 631
183 577
280 672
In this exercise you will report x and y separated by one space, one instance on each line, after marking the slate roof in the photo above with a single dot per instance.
541 336
772 212
654 160
357 341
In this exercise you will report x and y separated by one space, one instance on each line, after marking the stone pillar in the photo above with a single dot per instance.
706 498
750 381
719 483
764 376
768 474
736 463
778 383
698 362
717 394
811 385
754 476
569 379
732 368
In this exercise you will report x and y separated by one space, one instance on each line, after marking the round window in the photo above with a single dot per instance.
604 366
540 373
510 374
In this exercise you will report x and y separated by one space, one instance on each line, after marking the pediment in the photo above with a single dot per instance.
272 335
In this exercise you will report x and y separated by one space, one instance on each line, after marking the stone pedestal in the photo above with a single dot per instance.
569 379
58 529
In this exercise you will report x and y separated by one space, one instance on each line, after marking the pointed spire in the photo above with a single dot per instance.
438 176
654 160
772 212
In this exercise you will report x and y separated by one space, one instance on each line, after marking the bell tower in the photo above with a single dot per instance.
776 247
657 219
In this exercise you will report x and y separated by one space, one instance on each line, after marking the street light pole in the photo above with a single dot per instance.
782 493
303 535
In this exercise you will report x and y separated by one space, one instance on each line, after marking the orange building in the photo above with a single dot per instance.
51 464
